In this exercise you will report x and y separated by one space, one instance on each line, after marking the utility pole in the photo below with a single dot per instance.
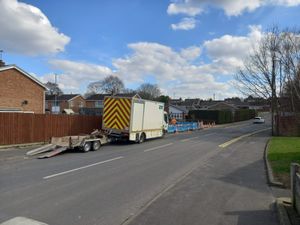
273 100
55 94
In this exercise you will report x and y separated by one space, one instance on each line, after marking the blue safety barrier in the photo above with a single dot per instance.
183 126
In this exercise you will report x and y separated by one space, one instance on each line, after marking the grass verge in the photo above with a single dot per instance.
281 153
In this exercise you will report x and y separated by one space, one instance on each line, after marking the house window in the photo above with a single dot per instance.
71 104
99 104
55 103
80 104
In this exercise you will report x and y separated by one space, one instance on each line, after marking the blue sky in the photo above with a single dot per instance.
190 48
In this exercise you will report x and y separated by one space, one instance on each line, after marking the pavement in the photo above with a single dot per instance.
181 179
229 188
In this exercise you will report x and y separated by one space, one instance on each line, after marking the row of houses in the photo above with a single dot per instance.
179 108
180 111
76 103
22 92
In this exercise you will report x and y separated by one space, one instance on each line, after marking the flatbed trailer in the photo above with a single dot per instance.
85 143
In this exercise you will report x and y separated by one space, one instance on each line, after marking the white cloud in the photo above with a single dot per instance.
172 69
180 71
287 2
191 53
185 24
76 75
228 52
149 59
233 46
182 8
26 30
230 7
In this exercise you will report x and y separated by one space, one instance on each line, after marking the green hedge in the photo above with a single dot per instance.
218 116
244 114
222 116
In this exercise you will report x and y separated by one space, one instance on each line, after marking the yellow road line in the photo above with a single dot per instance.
226 144
188 139
238 125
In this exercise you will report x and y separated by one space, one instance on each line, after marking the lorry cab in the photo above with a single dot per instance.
166 122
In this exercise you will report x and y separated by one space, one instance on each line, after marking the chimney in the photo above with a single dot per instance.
2 63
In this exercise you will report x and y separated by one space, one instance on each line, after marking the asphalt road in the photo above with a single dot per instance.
180 179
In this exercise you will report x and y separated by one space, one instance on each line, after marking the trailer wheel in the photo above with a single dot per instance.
96 145
86 147
142 138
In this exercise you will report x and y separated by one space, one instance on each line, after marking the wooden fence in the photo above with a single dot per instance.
19 128
289 125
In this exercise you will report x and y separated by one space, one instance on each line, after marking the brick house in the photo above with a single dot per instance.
95 101
65 102
19 91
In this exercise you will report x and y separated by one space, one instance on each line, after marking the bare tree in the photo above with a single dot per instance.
273 69
149 91
128 91
94 88
109 85
260 75
290 63
53 89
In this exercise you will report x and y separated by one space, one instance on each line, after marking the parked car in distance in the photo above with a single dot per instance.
258 119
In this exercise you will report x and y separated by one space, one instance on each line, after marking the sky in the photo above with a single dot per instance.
189 48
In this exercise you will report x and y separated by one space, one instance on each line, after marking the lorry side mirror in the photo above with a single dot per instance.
166 118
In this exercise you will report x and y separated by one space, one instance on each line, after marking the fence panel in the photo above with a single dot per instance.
19 128
38 130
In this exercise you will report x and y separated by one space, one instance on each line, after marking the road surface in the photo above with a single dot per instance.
212 176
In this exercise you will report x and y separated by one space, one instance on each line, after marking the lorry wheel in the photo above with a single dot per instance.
164 132
142 138
86 147
96 145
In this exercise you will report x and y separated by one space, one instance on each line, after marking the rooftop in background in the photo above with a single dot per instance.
64 97
128 95
99 97
176 101
180 107
96 97
189 102
209 102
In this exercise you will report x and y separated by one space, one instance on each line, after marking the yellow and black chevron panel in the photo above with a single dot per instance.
116 113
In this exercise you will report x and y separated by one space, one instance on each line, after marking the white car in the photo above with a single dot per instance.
258 120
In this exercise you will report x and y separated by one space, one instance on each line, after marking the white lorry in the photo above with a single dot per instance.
133 119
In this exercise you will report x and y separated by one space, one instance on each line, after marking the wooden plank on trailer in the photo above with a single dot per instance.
53 153
41 149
